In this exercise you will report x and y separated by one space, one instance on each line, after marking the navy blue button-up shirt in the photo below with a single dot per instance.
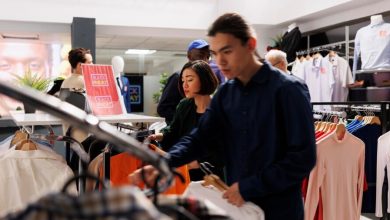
268 133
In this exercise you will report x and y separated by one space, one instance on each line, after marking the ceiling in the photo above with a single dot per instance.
170 42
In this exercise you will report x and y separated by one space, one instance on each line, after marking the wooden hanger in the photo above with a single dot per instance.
26 145
327 127
211 179
18 137
333 126
315 125
374 120
359 117
214 180
340 131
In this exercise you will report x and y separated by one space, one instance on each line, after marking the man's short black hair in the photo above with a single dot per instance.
231 23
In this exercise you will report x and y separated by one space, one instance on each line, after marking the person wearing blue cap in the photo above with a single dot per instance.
170 97
197 50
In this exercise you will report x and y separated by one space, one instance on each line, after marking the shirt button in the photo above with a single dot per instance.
244 131
244 112
246 93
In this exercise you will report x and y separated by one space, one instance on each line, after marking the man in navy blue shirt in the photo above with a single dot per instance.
264 118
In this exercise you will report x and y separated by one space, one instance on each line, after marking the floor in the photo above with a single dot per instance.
368 216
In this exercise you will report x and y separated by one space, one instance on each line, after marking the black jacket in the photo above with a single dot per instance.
290 43
170 98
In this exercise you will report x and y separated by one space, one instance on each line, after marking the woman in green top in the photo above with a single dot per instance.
197 83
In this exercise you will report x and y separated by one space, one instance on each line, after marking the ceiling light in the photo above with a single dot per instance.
137 51
21 36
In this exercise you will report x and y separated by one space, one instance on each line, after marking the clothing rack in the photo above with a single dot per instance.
80 119
383 113
332 46
340 114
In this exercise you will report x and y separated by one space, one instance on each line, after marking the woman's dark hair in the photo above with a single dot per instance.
77 55
234 24
208 80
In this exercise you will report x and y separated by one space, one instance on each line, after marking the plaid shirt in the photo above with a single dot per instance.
118 203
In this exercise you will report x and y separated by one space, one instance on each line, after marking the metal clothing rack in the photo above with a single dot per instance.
78 118
340 114
331 46
383 110
383 113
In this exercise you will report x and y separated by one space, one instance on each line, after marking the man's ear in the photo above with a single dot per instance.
252 43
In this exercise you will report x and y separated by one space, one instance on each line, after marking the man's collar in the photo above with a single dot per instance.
261 76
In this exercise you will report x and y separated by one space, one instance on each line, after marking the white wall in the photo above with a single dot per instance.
338 16
151 85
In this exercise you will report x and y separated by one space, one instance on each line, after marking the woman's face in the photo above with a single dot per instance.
190 82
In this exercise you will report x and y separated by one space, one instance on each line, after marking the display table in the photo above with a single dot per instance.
32 119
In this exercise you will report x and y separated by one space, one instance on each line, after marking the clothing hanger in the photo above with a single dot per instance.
340 131
21 141
373 120
315 125
324 124
26 145
19 136
212 179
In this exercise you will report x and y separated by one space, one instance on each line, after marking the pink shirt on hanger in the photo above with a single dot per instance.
339 176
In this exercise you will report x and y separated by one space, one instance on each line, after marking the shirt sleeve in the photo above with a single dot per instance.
295 121
313 191
172 131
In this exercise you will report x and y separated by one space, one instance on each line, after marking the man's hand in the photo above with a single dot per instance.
233 195
150 173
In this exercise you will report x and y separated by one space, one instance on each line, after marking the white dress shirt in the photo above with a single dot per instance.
28 175
248 211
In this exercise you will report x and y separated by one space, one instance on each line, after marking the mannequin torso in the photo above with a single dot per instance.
123 82
118 65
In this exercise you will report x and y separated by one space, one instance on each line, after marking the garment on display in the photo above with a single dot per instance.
326 73
366 122
290 41
78 118
372 44
32 169
211 194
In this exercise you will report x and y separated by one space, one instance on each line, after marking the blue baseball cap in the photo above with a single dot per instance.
197 44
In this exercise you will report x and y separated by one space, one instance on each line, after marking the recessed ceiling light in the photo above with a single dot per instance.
137 51
21 36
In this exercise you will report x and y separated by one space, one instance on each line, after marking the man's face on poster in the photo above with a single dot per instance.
17 59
